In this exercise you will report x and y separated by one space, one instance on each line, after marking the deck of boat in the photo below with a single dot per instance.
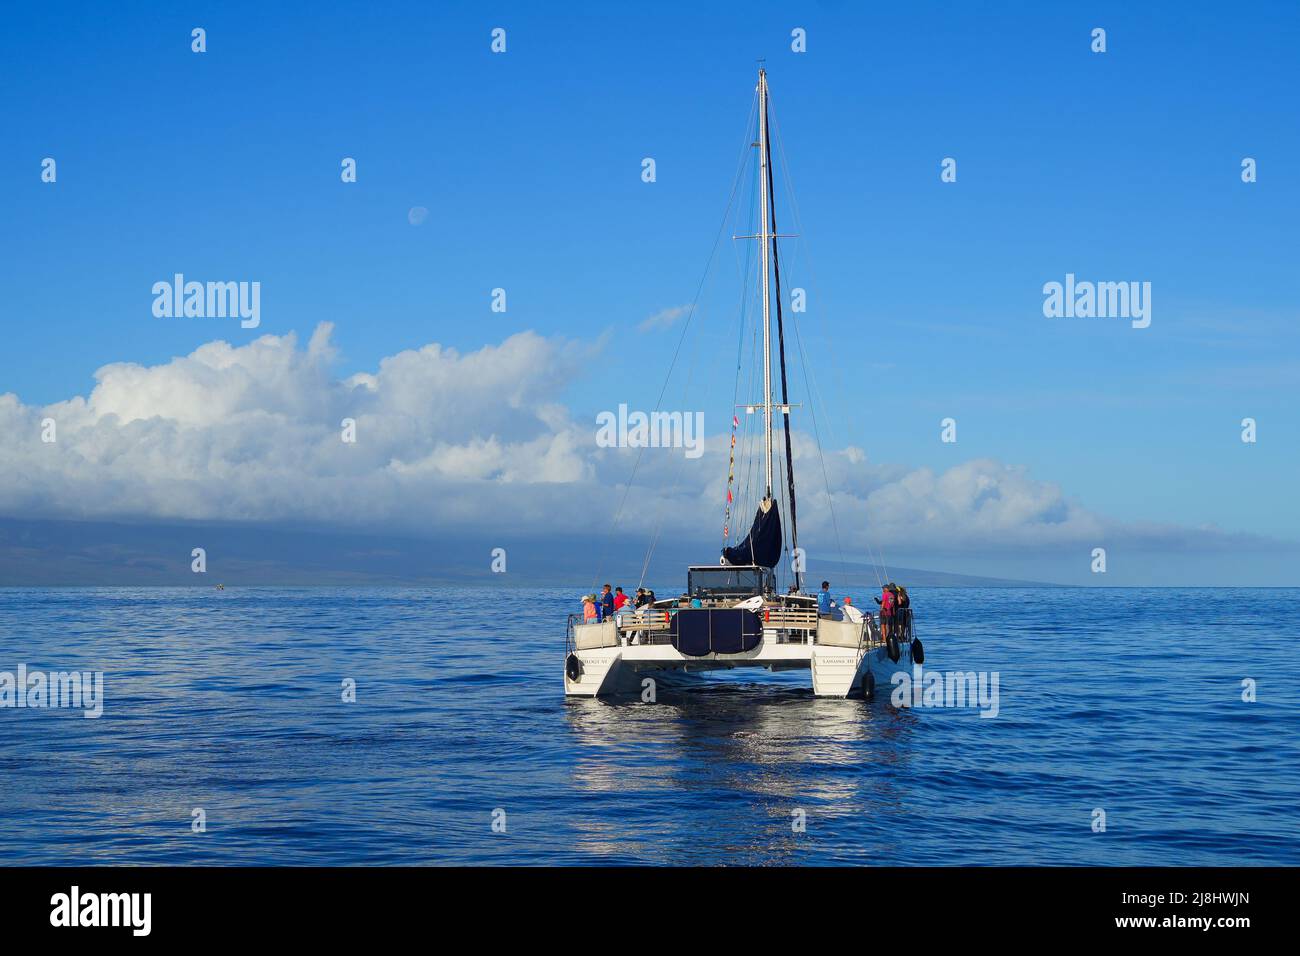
618 657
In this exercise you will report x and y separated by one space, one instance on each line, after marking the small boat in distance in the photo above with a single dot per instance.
734 613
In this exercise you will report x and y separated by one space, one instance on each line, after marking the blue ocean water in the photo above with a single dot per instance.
1127 701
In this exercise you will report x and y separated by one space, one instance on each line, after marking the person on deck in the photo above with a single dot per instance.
619 599
886 602
641 610
851 613
625 617
825 603
902 613
589 614
606 603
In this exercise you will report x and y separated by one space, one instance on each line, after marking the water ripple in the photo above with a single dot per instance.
231 701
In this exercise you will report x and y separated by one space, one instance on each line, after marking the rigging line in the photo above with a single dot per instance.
807 256
745 501
755 371
740 166
730 509
794 202
677 471
821 455
803 360
787 547
808 378
681 462
750 463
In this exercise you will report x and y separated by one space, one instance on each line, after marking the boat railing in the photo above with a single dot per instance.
871 632
654 626
903 621
903 628
790 618
651 626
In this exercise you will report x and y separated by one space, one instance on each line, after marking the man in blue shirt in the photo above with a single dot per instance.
606 604
825 604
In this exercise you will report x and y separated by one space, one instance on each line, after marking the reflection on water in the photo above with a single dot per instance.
730 744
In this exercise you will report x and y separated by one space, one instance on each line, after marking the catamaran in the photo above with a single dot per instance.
733 613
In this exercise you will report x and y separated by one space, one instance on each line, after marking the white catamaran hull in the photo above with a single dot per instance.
837 671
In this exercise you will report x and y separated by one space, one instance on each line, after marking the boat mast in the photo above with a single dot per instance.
785 383
765 239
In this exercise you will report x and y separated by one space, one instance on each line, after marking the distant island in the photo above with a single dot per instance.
105 554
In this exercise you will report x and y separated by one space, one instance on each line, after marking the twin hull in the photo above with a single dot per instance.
843 658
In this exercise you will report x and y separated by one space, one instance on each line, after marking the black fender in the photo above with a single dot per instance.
868 684
572 667
918 651
892 648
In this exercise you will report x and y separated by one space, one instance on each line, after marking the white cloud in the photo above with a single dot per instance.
664 318
473 441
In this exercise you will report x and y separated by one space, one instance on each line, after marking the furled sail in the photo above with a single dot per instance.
762 546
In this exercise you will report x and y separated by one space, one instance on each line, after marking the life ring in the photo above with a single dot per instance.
572 667
868 684
892 648
918 651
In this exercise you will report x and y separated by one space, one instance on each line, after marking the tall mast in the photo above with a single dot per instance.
765 239
780 350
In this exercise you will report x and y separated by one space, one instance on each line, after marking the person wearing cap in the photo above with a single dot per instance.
825 603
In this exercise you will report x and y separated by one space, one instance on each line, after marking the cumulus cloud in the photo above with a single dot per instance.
466 441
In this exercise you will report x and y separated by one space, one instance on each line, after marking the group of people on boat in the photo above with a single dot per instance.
611 603
895 609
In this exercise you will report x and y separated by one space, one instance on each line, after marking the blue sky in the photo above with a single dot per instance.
925 297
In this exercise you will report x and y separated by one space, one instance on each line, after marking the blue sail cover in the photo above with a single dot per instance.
762 546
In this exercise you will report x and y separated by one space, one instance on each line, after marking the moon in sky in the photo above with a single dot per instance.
417 215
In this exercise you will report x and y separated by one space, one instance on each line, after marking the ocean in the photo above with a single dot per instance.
1121 707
